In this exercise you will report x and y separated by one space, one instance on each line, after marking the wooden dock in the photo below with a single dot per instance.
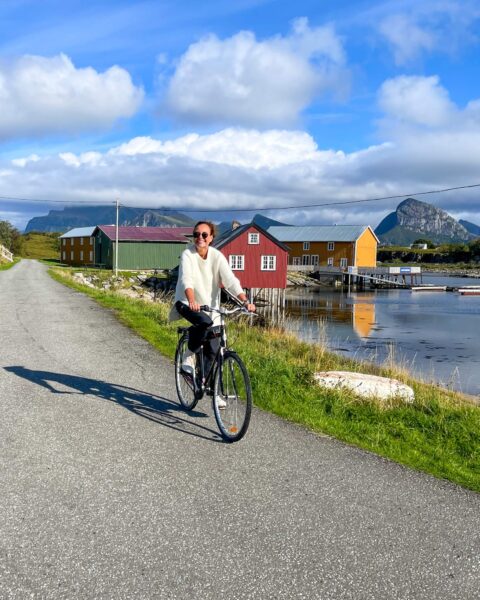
371 277
362 278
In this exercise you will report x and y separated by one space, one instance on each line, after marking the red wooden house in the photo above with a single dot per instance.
258 260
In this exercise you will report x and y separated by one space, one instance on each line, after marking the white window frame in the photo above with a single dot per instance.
71 254
314 260
91 240
331 246
91 256
305 259
236 262
81 254
306 245
330 261
268 262
81 241
343 263
296 261
254 238
64 255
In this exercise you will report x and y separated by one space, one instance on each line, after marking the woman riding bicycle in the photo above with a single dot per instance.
203 270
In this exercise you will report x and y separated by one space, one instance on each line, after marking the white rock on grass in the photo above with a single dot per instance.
80 278
367 386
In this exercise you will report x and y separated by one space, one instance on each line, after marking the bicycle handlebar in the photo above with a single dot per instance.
226 311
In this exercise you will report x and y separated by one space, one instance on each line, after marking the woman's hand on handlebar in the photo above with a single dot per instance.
250 307
195 306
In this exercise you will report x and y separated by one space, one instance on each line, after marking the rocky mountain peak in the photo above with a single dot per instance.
413 219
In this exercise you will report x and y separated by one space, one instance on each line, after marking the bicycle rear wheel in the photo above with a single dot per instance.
184 381
232 386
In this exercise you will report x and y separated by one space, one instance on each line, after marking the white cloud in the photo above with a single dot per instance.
417 100
253 170
40 96
244 81
429 26
407 39
431 143
21 162
235 147
86 158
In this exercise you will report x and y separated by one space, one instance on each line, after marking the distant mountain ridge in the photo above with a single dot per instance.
85 216
260 220
470 227
414 219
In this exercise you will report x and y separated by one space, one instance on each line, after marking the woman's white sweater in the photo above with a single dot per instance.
204 276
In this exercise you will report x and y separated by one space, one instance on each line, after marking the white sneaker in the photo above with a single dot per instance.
220 402
188 362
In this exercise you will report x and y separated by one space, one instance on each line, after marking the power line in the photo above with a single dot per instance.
43 201
211 210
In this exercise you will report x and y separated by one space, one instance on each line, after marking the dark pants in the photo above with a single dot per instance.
198 333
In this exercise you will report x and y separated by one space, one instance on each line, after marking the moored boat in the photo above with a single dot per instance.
469 291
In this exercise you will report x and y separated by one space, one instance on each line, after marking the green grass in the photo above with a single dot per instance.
40 245
438 433
8 265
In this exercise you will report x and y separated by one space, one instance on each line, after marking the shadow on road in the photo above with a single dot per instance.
155 408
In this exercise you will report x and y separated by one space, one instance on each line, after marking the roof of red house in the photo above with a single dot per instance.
230 235
147 234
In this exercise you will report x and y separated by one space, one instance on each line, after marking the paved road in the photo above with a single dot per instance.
110 490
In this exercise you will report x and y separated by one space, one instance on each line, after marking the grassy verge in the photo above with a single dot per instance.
40 245
8 265
438 433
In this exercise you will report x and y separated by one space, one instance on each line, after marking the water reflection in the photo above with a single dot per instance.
351 309
433 335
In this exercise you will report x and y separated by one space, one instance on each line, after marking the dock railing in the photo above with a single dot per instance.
388 276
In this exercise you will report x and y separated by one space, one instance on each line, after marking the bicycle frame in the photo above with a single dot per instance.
216 363
227 379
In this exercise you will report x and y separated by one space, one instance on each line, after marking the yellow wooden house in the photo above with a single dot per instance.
338 246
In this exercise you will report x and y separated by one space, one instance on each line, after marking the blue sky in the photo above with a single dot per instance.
253 104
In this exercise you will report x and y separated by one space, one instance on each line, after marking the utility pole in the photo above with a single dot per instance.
116 237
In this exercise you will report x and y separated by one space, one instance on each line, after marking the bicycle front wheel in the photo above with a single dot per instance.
232 398
184 381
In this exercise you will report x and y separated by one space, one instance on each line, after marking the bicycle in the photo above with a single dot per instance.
227 380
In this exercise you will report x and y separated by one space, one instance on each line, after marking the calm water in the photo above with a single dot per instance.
433 334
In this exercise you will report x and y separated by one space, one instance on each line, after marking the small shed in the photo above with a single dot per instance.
258 259
77 246
140 247
338 246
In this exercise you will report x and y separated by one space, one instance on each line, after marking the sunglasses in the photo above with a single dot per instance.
197 234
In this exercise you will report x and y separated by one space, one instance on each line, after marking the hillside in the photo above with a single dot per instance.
414 219
40 246
86 216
